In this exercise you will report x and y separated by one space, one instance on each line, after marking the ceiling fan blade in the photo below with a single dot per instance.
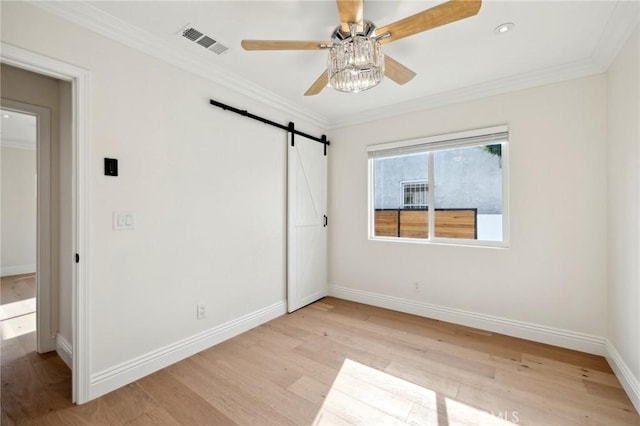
351 11
396 71
443 14
318 85
284 45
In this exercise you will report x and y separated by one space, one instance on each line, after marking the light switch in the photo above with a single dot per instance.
110 167
124 221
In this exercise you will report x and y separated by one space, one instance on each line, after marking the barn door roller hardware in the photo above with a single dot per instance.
289 128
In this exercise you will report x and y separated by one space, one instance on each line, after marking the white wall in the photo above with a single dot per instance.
554 272
624 206
208 188
18 210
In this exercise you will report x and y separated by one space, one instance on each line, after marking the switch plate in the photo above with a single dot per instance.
124 221
111 167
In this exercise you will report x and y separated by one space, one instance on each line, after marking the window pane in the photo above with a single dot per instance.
400 185
468 193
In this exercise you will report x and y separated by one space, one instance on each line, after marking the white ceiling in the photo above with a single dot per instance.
552 40
18 130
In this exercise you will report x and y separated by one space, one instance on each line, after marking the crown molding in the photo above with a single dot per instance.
90 17
478 91
18 144
621 23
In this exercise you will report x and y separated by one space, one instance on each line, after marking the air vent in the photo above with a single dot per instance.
206 41
203 40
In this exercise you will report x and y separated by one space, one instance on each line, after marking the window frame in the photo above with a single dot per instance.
430 144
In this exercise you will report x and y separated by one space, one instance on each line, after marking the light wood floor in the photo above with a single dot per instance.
334 363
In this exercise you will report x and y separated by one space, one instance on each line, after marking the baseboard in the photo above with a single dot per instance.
7 271
535 332
64 350
630 383
122 374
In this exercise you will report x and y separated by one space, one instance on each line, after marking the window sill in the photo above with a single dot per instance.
445 242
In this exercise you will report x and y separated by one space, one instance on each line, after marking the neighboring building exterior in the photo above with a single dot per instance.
466 178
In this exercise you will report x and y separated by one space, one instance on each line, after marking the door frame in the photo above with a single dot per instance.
80 288
45 337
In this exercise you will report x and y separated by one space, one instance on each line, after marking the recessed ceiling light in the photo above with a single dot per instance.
506 27
6 115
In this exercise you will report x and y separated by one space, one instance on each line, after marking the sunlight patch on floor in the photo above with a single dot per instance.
18 326
362 395
15 309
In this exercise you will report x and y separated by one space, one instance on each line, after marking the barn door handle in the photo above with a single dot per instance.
326 221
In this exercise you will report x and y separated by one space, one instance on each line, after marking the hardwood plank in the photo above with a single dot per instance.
330 419
17 287
310 389
421 415
5 420
321 306
427 379
332 353
527 411
92 413
352 410
576 371
259 363
183 404
469 342
374 395
579 406
254 382
11 350
195 373
612 393
115 408
50 368
26 400
307 365
402 388
157 416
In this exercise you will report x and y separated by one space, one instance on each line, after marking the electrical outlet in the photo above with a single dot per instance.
201 310
416 286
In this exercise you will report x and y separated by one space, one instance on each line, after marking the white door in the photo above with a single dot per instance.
307 230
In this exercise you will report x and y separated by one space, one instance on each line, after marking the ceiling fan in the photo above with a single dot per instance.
356 61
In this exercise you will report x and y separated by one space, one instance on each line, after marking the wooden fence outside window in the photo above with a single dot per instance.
414 223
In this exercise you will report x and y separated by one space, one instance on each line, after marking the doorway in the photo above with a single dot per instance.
27 302
26 223
76 163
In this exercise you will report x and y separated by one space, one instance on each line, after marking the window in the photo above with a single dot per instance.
448 188
415 195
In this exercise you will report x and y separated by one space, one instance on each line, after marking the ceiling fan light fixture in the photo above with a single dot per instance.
355 64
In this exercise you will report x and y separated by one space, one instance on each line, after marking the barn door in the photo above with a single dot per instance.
307 223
